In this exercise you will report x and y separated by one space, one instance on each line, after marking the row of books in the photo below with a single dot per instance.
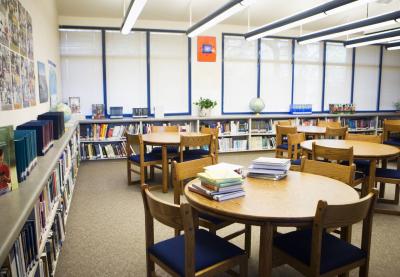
359 124
25 152
219 182
35 251
183 126
96 151
232 127
23 254
232 144
107 131
262 126
262 143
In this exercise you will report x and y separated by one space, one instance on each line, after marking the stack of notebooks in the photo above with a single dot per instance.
219 184
269 168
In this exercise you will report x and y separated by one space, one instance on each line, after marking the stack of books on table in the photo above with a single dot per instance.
219 184
269 168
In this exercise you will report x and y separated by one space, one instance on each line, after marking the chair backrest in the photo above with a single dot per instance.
165 129
134 145
332 154
214 132
187 170
293 144
284 123
179 217
363 137
331 124
195 141
342 173
335 132
283 131
335 216
390 126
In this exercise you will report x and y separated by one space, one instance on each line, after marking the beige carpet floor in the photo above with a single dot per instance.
105 229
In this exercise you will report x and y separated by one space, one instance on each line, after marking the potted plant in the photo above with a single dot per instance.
397 106
205 106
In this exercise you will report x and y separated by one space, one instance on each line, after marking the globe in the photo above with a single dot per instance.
61 107
256 105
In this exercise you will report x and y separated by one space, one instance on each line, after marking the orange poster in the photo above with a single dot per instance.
206 49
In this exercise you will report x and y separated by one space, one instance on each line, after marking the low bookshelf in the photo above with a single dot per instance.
237 133
34 216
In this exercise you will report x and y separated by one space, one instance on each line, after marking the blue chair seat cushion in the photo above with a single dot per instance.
361 165
296 162
188 157
393 141
359 175
197 152
387 173
170 150
335 252
212 219
284 146
209 250
150 157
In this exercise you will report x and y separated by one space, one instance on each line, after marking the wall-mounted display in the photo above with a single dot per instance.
53 84
43 89
17 73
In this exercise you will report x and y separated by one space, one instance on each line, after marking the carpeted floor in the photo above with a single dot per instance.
105 230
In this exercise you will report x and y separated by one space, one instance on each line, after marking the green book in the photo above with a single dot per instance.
220 177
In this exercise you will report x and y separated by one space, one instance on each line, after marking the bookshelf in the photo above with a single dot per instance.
240 133
34 216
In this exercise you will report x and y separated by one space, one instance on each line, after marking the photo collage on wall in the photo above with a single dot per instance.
17 72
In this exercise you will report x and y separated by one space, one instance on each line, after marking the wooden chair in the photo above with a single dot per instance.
214 132
190 147
391 176
315 252
343 173
340 156
294 150
336 133
389 128
330 124
137 157
184 171
171 150
281 142
287 123
196 252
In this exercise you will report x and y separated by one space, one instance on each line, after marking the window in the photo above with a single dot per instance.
169 72
366 74
81 67
308 75
240 73
338 74
390 85
126 70
276 74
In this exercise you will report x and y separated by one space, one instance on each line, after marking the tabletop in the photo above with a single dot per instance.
167 138
362 149
311 129
292 200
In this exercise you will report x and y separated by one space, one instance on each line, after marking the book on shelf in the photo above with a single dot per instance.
262 142
183 126
98 111
44 134
96 151
8 165
58 122
232 144
359 124
25 152
232 127
261 126
105 131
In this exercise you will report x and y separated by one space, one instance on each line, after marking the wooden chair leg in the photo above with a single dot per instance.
142 175
177 194
382 185
129 173
243 268
344 274
146 173
247 240
396 194
150 266
152 172
363 271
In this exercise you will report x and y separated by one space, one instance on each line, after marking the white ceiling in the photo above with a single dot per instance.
261 12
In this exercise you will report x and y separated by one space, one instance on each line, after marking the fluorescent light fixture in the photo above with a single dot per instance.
394 46
134 10
394 41
224 12
380 37
303 17
375 22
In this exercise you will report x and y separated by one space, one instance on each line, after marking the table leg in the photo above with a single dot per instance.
371 179
265 256
164 168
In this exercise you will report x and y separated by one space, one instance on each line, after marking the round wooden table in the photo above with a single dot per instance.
313 131
165 139
362 151
288 202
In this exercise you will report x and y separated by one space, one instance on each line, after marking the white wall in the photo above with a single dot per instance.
46 47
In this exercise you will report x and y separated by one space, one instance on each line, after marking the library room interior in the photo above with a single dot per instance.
199 138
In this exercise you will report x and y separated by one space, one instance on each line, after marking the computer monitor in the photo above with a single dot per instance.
116 112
